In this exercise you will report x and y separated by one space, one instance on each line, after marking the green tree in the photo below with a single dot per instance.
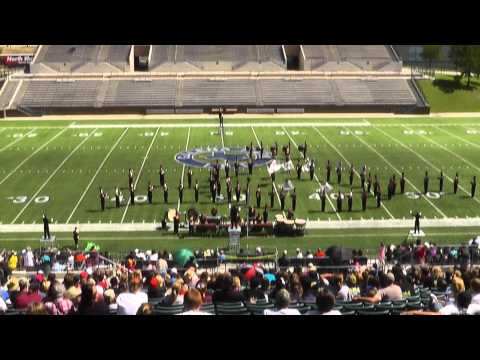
467 59
431 53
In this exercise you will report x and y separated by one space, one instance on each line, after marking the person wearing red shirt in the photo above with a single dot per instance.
28 297
319 253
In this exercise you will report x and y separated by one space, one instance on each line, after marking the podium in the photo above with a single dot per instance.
415 235
234 238
47 241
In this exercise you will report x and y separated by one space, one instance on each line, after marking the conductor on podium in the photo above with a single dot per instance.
416 229
46 227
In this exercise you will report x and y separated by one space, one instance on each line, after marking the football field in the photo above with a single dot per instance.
57 167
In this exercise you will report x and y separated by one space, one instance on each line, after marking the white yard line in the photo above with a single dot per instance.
139 173
183 167
319 123
96 174
223 139
32 155
16 140
449 151
215 125
400 173
314 175
52 175
425 161
458 137
274 186
349 164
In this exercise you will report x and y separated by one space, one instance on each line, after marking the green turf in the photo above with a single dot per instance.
446 95
387 148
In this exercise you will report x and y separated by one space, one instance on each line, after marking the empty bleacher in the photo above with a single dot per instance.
200 95
297 92
140 93
53 93
391 91
198 92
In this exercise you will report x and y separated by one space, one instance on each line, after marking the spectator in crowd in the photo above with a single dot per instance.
12 261
320 253
156 288
193 303
28 261
339 289
325 302
282 302
299 254
88 305
175 295
110 300
391 291
28 295
283 260
296 289
15 287
129 302
382 254
145 309
3 306
36 308
475 285
224 290
56 302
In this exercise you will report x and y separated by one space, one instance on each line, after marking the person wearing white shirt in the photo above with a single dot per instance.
129 302
475 285
460 307
3 306
283 301
299 254
28 259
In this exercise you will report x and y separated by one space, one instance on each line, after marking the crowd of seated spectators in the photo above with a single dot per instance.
422 253
250 289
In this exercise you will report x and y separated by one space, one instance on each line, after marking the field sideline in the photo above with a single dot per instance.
58 166
367 239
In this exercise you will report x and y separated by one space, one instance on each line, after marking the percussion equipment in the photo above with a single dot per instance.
171 214
300 224
289 223
279 218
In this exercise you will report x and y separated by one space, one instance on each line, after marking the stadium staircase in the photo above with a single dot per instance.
102 92
179 93
259 92
336 93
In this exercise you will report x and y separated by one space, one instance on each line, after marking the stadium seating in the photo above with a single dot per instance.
200 94
207 92
60 93
140 93
298 92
